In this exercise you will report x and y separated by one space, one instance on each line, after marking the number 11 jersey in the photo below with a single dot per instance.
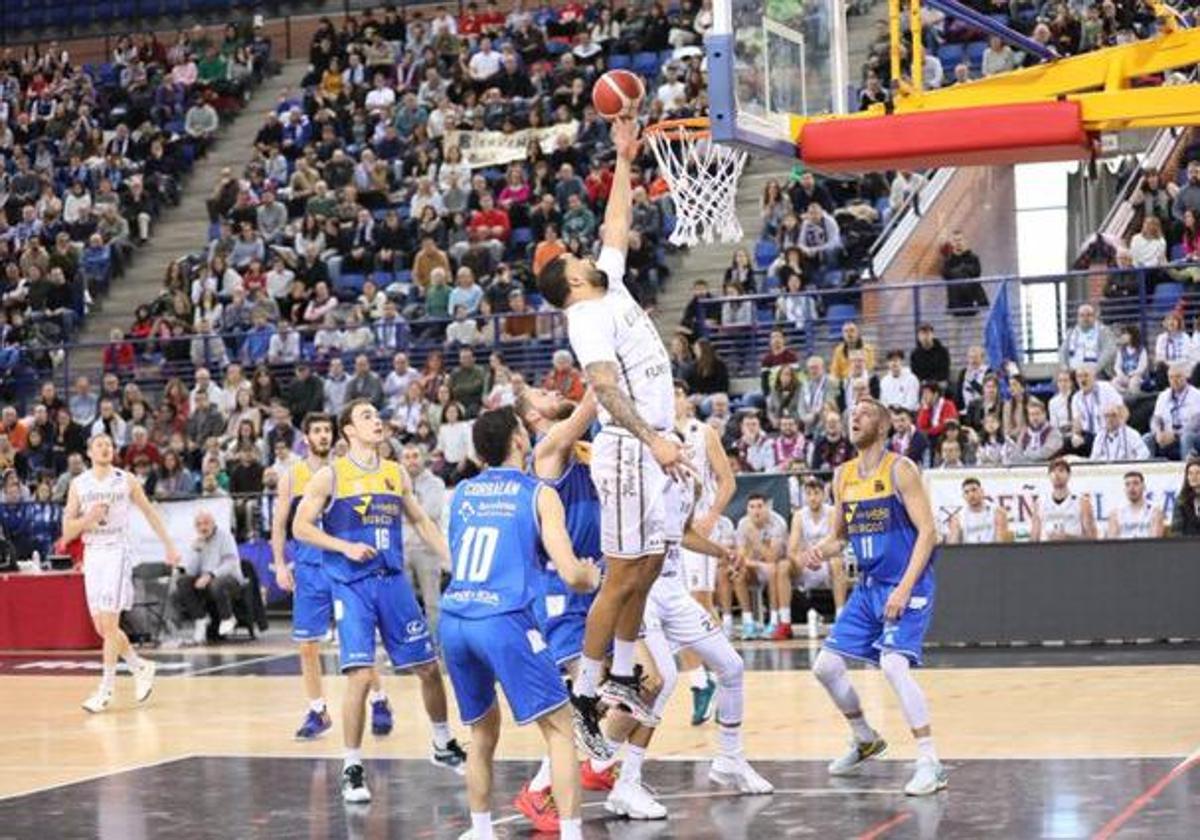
367 506
494 540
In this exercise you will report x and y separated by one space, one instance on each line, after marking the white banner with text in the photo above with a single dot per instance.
497 148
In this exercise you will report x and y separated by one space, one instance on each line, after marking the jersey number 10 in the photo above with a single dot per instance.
475 554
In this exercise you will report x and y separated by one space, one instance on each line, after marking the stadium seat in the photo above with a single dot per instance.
837 315
950 55
1166 297
350 283
765 252
975 51
646 64
620 61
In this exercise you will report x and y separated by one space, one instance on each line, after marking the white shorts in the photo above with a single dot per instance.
673 613
633 490
699 570
108 578
819 579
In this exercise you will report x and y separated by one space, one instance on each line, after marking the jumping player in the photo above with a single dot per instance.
884 512
360 501
700 570
633 456
98 510
312 603
499 522
811 523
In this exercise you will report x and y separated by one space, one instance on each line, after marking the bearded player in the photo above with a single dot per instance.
883 511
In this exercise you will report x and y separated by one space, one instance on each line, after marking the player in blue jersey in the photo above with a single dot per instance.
499 522
360 501
312 598
882 509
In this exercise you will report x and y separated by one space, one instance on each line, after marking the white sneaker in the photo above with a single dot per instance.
631 799
99 701
860 752
200 631
354 785
729 771
143 680
227 626
929 777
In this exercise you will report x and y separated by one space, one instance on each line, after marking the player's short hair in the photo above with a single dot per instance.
813 482
315 417
756 497
97 437
346 418
1059 462
881 410
552 282
1135 474
492 434
971 481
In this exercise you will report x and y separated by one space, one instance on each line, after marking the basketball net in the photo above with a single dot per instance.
702 176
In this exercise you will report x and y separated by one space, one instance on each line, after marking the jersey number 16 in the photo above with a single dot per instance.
475 554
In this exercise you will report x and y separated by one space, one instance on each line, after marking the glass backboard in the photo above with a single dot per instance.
771 59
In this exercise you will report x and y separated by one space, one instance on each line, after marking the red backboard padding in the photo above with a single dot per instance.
995 134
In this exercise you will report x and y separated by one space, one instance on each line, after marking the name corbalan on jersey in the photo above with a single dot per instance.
492 488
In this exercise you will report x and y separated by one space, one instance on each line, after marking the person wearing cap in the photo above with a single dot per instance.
935 410
1061 514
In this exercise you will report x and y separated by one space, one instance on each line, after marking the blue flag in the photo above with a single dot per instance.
998 338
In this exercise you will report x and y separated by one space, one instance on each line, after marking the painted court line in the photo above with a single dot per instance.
229 665
1147 796
886 826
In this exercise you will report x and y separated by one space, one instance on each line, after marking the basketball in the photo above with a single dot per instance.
618 92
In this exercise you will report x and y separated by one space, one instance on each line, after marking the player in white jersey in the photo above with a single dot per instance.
675 623
633 457
98 511
717 486
979 521
811 523
1137 520
1061 514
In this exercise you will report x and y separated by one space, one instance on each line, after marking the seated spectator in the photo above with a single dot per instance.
212 577
521 322
899 386
784 396
796 307
906 439
990 402
284 346
820 241
564 377
365 384
463 331
949 455
754 449
174 480
960 264
1117 441
817 392
467 382
998 57
1175 425
832 448
852 339
1172 346
454 440
791 448
935 410
709 375
1088 404
1132 364
736 311
1088 342
1185 521
994 448
859 381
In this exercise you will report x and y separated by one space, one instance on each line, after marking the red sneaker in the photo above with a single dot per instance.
539 808
594 780
783 632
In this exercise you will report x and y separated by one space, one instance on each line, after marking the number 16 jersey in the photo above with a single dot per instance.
494 541
366 506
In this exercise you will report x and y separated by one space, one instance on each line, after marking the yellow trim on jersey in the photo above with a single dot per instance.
352 481
300 475
583 452
876 485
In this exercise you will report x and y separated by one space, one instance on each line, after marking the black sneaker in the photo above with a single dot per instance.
626 692
585 712
354 785
453 757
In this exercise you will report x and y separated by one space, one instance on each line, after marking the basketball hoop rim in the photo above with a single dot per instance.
688 128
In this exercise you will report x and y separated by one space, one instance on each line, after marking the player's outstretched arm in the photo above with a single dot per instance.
617 215
316 496
579 575
693 540
427 529
553 449
279 517
920 512
138 496
668 452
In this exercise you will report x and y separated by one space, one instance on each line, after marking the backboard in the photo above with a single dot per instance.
770 60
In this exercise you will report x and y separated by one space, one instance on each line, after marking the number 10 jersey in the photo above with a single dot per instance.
367 506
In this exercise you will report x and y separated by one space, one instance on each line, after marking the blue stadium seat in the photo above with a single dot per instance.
646 64
950 55
975 51
837 315
765 252
664 56
351 283
521 237
1166 297
1177 252
620 61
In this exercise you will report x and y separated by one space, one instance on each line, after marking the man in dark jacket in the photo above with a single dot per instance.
961 263
306 393
929 360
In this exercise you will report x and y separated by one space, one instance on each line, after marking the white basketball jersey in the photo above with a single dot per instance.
724 533
1134 523
814 530
978 526
682 494
696 439
1063 517
113 491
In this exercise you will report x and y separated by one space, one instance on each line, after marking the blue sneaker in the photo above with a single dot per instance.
749 631
702 702
315 725
381 717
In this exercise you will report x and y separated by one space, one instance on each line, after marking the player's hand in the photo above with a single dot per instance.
173 557
203 581
595 575
95 515
284 579
897 603
672 457
734 561
812 558
359 552
625 137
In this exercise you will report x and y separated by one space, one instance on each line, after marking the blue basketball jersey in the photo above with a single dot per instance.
581 504
877 523
300 473
367 506
494 540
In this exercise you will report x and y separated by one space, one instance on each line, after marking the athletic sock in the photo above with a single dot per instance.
109 678
785 615
589 676
730 740
631 768
570 829
622 664
863 733
352 758
481 825
774 616
699 678
441 734
542 780
727 623
376 696
317 705
925 748
132 659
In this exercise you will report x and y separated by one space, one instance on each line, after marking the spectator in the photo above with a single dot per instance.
817 392
960 264
851 340
365 383
820 241
466 293
694 314
454 440
1061 514
762 541
284 346
755 450
212 577
994 448
859 381
428 258
899 386
832 448
1185 521
1175 425
708 375
422 565
784 397
1172 346
462 331
930 360
564 377
791 449
521 323
935 411
989 402
1132 364
906 440
1088 342
1088 404
1040 441
1188 198
306 393
736 311
1148 248
1117 441
998 57
467 383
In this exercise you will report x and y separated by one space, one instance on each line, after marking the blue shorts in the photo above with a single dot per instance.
386 602
564 635
312 603
861 632
506 648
